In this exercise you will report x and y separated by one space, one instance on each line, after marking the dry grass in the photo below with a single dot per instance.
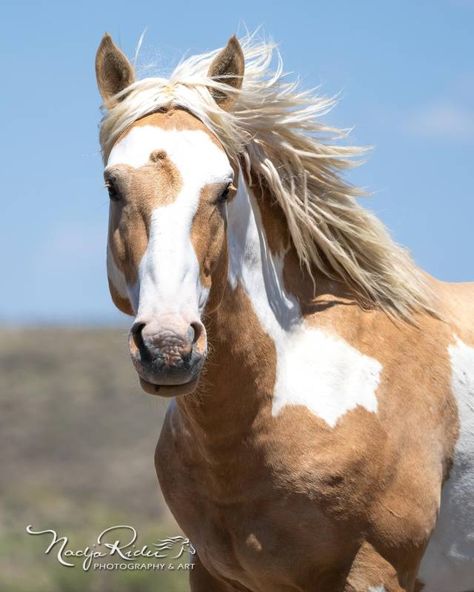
78 438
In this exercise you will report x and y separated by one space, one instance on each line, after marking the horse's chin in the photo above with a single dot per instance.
174 390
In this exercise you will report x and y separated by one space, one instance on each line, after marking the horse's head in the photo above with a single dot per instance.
168 179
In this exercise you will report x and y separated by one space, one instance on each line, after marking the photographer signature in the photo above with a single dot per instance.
118 541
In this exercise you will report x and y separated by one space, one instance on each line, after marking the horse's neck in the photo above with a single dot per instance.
247 328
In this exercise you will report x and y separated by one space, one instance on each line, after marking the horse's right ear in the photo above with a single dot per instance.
113 70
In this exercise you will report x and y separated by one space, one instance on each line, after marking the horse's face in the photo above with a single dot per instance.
168 180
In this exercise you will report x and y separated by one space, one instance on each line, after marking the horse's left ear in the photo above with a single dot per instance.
227 68
113 70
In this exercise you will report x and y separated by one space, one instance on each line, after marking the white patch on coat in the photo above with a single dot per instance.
380 588
168 274
448 564
314 368
325 374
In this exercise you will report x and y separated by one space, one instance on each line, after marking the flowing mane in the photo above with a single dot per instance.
275 130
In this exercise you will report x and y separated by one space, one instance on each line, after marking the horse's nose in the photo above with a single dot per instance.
173 342
168 350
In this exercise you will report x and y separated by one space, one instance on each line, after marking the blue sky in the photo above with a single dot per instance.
404 69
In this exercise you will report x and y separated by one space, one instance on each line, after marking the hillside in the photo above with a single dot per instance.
78 438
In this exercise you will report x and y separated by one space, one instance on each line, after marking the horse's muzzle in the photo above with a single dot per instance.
168 354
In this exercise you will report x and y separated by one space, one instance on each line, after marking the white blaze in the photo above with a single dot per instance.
168 274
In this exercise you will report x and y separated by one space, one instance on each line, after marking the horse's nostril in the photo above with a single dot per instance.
136 331
196 329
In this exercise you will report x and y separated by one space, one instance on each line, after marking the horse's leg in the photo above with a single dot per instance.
201 580
370 572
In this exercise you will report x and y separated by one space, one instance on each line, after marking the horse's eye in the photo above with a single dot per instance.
113 191
224 194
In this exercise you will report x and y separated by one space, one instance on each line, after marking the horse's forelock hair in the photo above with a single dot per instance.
275 129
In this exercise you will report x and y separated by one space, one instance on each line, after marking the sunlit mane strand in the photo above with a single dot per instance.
275 129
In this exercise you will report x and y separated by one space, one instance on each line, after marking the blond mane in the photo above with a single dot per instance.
275 130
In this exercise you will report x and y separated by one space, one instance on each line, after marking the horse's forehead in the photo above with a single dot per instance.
175 119
165 165
192 148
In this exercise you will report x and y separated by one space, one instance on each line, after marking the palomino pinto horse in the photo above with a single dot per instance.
324 440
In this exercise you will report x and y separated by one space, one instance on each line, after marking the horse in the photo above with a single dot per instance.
320 432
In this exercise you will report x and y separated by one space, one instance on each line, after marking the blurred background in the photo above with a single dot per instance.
77 433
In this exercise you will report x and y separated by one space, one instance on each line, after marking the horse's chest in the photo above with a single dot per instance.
287 501
266 541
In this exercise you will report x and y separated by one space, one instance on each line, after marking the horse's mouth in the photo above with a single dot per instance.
167 390
156 379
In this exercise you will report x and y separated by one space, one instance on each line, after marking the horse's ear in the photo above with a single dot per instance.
113 70
228 68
